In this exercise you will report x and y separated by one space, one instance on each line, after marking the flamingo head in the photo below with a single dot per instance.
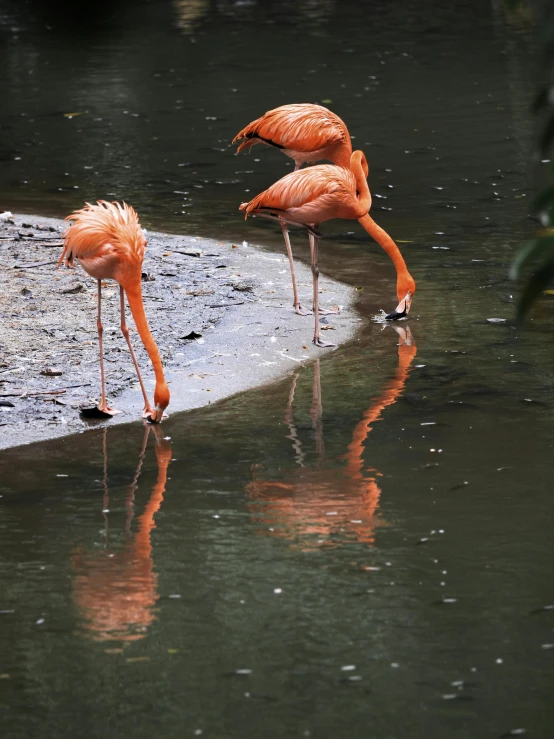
405 289
161 401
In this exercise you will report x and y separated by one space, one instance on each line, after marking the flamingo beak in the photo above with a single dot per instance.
402 309
157 415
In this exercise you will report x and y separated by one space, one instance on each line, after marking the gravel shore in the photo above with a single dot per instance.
220 312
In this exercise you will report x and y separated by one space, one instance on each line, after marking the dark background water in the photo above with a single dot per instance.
416 548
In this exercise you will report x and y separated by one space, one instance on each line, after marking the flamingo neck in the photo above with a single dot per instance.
363 195
404 280
134 296
343 154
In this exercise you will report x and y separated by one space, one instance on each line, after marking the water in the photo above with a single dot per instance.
363 549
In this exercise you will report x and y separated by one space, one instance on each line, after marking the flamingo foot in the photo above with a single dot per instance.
328 311
99 411
321 343
302 311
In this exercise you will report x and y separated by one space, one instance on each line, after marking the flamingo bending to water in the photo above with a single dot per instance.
311 196
109 243
306 133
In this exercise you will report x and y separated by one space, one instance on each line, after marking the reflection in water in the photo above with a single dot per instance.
189 13
115 591
319 504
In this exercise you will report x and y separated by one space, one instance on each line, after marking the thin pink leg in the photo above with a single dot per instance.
125 331
315 275
103 406
297 306
324 311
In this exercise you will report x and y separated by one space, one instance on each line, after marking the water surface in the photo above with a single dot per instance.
363 549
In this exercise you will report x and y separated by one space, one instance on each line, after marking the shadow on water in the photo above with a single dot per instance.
365 548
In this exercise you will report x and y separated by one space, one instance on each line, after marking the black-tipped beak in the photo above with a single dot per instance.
395 315
157 415
401 310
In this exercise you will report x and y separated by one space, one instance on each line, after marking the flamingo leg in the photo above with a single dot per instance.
103 406
324 311
125 331
315 278
297 306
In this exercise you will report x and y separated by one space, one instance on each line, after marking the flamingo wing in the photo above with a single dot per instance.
303 128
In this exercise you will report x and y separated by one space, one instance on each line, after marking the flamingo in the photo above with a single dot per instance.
299 505
311 196
109 243
306 133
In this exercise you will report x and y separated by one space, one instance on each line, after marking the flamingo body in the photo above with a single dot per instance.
304 132
312 195
109 243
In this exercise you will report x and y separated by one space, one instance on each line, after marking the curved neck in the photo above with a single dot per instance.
391 391
386 243
363 196
143 545
134 297
343 153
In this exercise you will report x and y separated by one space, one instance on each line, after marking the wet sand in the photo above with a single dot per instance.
220 312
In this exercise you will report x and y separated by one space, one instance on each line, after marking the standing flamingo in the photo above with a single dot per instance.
109 243
311 196
306 133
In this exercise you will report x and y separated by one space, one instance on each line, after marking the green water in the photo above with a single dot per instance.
377 568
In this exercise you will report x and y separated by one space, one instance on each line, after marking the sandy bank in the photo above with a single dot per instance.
221 314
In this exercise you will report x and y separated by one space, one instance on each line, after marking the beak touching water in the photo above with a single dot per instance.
157 415
402 309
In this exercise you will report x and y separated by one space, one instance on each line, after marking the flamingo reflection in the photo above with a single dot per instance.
321 505
116 591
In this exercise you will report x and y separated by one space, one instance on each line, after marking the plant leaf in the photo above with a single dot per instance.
535 286
533 249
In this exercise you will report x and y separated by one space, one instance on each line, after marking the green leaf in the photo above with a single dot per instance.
544 199
534 249
538 282
547 135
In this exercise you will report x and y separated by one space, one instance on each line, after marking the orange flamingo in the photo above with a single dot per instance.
116 591
109 243
321 501
306 133
311 196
